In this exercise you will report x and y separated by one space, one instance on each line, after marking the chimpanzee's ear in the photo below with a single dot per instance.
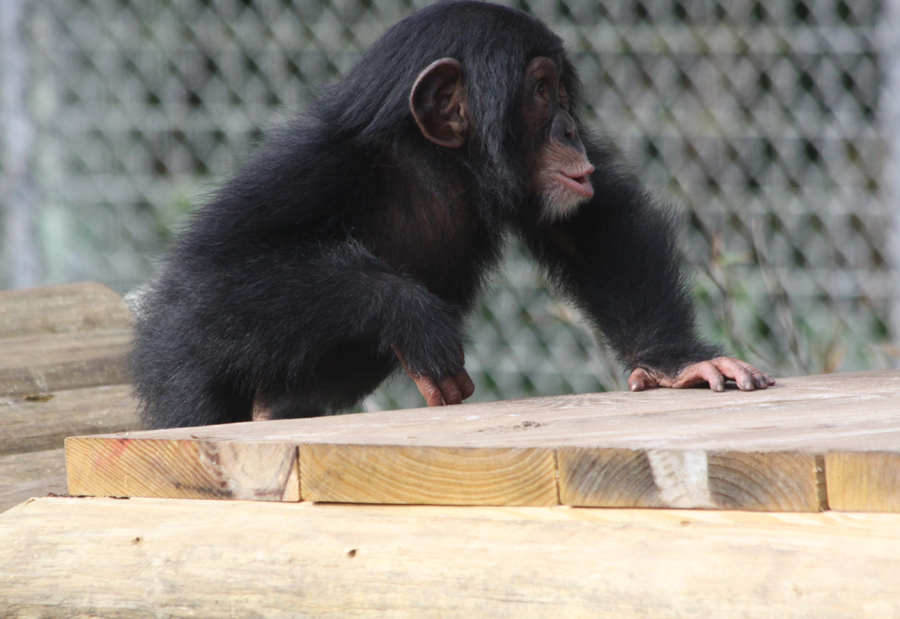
439 103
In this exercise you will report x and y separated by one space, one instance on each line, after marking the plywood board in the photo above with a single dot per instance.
158 558
40 364
761 450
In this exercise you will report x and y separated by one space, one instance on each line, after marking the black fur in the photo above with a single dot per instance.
349 232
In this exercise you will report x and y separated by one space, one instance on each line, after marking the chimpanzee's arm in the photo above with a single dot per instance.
341 291
277 318
617 259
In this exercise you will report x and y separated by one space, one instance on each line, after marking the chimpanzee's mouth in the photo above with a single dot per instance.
579 181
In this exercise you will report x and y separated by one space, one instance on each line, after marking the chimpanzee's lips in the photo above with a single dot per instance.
578 180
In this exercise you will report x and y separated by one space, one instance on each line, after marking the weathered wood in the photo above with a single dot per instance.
761 451
27 475
864 481
428 475
183 469
66 308
53 342
162 558
43 422
40 364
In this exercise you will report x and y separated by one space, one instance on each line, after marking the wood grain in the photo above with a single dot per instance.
65 308
41 364
863 481
432 476
54 341
183 469
43 422
804 414
762 450
232 559
688 479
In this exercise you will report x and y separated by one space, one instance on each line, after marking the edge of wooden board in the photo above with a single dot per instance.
396 474
66 557
184 469
863 481
492 455
693 479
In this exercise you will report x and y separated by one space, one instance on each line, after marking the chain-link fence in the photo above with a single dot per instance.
762 121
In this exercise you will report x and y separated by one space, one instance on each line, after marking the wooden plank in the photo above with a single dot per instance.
43 422
761 450
431 476
183 469
67 308
40 364
854 411
159 558
598 477
27 475
863 481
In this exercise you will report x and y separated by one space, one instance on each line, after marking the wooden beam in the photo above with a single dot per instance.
39 364
864 481
599 477
183 469
164 558
762 450
428 475
66 308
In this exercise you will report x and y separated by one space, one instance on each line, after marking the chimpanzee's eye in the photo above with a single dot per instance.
542 92
563 97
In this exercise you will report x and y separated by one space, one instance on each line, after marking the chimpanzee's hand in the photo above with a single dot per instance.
450 390
714 372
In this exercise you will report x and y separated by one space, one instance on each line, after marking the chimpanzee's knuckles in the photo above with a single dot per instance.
436 352
465 383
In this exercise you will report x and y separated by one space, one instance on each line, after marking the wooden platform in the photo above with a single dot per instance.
309 542
520 547
63 371
236 559
807 444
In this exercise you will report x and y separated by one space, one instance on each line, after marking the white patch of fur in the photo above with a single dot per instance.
559 201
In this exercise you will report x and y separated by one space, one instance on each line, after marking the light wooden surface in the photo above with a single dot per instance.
162 558
183 469
65 308
864 481
764 450
428 475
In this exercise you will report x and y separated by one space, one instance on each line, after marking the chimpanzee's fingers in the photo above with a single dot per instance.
698 373
429 390
450 391
465 384
761 379
640 380
732 368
